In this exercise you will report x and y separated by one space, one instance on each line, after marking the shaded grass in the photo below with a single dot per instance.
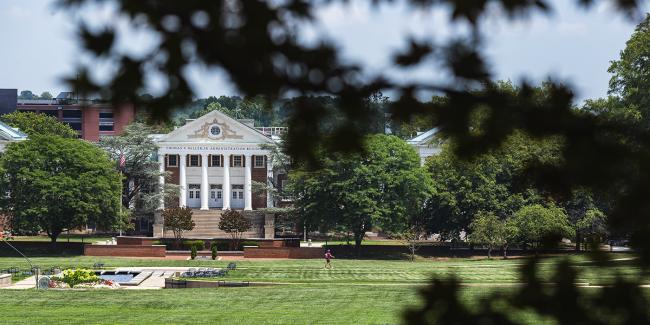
354 292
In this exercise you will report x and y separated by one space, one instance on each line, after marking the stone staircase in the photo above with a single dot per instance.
206 225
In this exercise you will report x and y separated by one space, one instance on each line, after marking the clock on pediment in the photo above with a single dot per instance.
216 130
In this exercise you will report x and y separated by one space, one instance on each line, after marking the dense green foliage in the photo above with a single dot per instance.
492 232
74 277
38 124
495 182
214 251
382 187
141 190
630 75
28 94
55 184
539 224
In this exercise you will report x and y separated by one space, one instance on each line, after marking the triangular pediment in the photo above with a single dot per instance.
216 127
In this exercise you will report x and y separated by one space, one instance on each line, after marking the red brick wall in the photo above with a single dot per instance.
258 175
279 242
3 220
125 250
90 123
123 114
141 241
174 173
283 252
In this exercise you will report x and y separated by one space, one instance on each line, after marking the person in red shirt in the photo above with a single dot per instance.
328 257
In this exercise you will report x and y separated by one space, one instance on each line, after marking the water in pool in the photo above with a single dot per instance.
117 277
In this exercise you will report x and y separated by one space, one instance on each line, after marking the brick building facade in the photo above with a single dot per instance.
91 119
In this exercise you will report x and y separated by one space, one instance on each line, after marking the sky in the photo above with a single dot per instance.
573 45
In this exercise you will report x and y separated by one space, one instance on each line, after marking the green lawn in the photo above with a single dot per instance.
362 271
354 292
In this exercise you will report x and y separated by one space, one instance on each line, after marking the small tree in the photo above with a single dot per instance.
592 227
488 230
215 252
538 224
510 234
235 224
193 252
178 219
412 239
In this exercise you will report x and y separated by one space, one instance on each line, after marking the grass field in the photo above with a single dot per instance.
354 292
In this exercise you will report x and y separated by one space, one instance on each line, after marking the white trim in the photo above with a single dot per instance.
211 115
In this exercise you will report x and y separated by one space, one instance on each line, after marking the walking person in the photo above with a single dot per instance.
328 257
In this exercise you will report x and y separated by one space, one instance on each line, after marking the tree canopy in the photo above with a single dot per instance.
38 124
141 189
487 229
384 187
539 225
496 182
178 220
258 45
55 184
235 224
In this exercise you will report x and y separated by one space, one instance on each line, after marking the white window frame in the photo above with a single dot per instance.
170 165
198 161
234 161
219 160
258 160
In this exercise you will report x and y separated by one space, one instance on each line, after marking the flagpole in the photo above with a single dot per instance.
120 201
120 165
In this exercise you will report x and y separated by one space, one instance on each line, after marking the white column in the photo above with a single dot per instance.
161 178
248 202
204 182
269 179
226 181
182 182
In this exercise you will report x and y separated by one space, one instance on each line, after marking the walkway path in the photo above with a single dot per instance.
27 283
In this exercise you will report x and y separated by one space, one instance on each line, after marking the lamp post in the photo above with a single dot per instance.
26 258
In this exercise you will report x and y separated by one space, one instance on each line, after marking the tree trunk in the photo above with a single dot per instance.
54 234
505 252
357 243
489 252
578 241
178 236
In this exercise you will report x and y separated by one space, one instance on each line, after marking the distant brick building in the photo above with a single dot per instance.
91 119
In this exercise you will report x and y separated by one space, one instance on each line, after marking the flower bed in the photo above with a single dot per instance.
81 278
101 284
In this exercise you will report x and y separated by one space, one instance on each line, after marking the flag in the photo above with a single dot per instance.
122 160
